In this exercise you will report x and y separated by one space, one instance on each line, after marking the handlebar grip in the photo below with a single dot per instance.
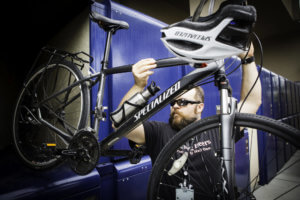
166 62
117 70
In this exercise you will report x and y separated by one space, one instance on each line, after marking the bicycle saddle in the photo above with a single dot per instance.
222 34
108 24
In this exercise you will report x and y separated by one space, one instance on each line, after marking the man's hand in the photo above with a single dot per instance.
250 53
141 71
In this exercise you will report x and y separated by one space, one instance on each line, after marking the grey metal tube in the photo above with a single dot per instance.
227 119
67 138
99 106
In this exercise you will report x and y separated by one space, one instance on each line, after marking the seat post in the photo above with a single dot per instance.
107 49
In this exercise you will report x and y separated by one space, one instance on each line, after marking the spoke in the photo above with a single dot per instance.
66 103
167 185
71 126
28 90
69 91
174 175
28 110
45 93
55 79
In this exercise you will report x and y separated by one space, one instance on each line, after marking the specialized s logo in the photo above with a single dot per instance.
157 101
192 36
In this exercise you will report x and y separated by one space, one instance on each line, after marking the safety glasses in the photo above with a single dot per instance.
183 102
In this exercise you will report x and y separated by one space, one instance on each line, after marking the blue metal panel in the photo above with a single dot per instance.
293 93
20 182
297 110
211 99
275 96
107 174
283 113
142 40
276 115
131 180
287 146
266 93
289 120
143 32
282 96
289 98
294 106
294 111
267 142
280 151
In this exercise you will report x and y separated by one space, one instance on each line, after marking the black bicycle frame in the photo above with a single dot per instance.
162 100
185 83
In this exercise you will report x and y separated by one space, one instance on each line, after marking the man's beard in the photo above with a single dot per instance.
183 122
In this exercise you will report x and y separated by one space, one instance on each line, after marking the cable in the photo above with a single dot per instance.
261 51
212 77
198 10
259 72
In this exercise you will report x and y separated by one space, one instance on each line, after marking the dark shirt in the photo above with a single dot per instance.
202 164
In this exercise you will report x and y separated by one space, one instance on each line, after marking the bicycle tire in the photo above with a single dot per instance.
68 112
157 179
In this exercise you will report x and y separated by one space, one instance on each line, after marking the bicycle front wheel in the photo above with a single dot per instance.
37 145
190 165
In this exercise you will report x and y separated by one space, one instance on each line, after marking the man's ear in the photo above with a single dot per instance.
200 108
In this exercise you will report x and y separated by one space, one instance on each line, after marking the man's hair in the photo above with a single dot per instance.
199 96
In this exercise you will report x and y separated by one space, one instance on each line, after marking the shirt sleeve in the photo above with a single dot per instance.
151 132
152 136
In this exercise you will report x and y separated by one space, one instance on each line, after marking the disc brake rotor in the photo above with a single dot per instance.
86 146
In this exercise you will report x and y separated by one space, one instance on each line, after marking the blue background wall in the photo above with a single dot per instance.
142 40
116 178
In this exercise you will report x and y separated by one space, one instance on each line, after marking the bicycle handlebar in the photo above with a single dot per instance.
166 62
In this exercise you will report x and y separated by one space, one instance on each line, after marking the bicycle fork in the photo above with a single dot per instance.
227 114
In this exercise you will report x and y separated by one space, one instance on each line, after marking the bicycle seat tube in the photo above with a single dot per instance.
99 109
228 109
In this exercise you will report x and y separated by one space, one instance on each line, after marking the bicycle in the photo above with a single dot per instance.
50 119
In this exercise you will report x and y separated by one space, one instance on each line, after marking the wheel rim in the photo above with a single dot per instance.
31 143
247 181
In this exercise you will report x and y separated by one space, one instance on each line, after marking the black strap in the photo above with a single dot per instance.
248 60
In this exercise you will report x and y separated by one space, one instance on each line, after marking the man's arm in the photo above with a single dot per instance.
249 76
141 72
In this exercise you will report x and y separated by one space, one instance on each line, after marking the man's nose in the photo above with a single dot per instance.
175 106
